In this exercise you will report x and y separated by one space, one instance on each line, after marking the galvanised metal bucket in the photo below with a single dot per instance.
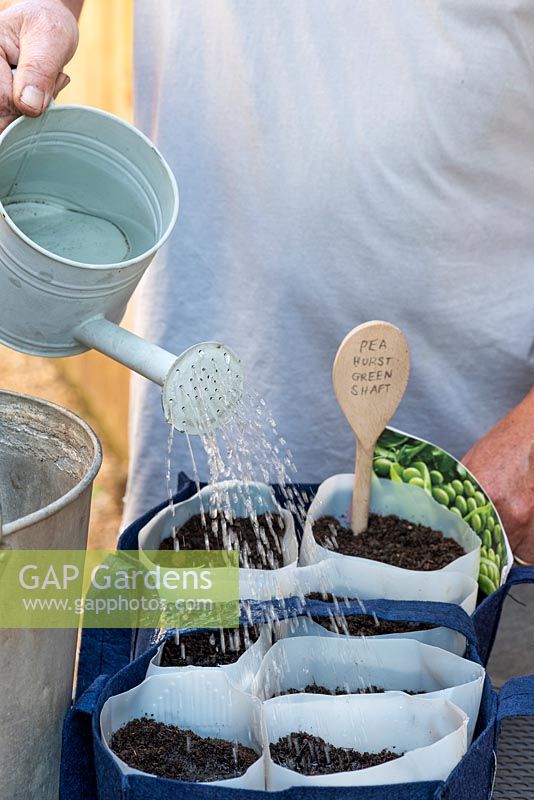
86 200
48 460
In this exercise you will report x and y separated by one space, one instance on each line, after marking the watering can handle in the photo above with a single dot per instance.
52 102
35 138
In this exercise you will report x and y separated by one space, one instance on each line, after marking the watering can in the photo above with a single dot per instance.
86 201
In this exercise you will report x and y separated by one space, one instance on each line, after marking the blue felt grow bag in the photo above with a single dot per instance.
87 767
107 651
106 668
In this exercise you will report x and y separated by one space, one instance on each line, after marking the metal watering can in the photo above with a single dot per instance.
86 201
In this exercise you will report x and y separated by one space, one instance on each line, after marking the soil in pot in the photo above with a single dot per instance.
208 648
313 688
390 540
311 755
367 625
259 541
170 752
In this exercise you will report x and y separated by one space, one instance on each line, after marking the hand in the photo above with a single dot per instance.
503 462
38 37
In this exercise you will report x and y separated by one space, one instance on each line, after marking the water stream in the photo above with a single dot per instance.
246 448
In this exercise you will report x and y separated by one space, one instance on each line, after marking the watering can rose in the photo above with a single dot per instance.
52 589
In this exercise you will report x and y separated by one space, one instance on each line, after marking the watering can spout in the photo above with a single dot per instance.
200 387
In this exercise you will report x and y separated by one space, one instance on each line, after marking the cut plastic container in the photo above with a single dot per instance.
432 734
241 498
439 637
356 578
241 673
409 502
353 665
203 701
393 439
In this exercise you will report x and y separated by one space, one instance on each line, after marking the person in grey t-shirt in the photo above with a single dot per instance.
335 167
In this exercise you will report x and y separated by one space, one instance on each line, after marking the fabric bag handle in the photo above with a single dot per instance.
516 698
446 615
78 779
519 575
488 614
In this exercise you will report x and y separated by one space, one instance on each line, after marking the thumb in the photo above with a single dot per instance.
40 63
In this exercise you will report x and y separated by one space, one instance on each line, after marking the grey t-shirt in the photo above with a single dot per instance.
340 162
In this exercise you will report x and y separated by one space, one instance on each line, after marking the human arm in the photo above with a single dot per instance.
503 462
39 37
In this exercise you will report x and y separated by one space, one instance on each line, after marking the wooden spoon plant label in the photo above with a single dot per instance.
370 376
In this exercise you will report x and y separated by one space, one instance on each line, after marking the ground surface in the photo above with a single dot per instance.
41 377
